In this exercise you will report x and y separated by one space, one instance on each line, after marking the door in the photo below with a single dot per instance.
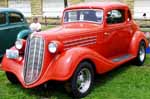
116 35
17 23
3 30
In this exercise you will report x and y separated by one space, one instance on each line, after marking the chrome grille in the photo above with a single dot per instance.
33 59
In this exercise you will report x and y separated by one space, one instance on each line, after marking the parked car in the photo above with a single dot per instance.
12 22
93 38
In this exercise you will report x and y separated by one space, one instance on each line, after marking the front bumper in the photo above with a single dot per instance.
16 66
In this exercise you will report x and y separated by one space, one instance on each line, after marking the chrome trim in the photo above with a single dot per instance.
31 77
85 41
84 38
35 61
39 56
88 44
77 43
82 45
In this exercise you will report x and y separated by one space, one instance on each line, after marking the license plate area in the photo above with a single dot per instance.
12 54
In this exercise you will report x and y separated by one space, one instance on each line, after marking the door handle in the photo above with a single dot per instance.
106 33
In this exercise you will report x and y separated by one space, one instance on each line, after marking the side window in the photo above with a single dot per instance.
15 18
2 18
116 16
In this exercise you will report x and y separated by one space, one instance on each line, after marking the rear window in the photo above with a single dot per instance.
15 18
2 18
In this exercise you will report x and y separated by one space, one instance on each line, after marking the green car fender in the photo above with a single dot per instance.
24 34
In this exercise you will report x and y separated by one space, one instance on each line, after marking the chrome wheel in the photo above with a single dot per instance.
142 53
139 60
84 80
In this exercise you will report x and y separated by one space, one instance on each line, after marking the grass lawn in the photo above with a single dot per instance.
126 82
145 29
44 27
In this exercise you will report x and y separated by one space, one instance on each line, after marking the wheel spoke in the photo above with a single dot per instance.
142 53
84 80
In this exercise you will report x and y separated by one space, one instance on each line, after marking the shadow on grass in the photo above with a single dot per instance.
102 79
57 90
53 91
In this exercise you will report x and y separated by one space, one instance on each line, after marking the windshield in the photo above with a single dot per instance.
85 15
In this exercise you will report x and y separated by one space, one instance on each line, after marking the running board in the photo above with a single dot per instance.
121 58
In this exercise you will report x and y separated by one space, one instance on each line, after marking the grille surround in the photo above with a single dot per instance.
34 56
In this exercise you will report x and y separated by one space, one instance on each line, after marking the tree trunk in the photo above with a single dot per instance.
66 3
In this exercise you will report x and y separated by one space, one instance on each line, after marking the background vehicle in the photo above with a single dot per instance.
93 38
12 22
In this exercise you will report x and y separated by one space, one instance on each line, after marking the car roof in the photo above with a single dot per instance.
9 10
102 5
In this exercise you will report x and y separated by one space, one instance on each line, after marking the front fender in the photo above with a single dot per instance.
137 38
24 33
65 64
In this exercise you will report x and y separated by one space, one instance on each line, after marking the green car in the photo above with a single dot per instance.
13 25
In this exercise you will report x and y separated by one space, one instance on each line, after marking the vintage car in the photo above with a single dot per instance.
93 38
12 23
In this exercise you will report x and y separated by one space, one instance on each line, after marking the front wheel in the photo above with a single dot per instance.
82 80
139 60
12 78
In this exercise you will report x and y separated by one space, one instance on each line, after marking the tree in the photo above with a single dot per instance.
66 3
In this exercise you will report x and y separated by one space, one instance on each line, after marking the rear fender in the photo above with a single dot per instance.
137 38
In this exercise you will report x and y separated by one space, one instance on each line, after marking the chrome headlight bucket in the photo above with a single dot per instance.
52 47
55 47
19 44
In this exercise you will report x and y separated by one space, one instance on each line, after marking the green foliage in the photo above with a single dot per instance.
44 27
145 29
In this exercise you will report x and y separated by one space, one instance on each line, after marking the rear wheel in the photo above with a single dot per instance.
82 80
139 60
12 78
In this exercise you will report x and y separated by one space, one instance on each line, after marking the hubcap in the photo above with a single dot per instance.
142 53
84 80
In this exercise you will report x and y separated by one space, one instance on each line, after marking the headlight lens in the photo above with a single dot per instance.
52 47
19 44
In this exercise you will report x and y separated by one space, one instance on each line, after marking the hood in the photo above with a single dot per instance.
69 30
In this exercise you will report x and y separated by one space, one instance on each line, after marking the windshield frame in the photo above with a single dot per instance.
84 21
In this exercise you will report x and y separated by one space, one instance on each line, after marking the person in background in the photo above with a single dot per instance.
35 26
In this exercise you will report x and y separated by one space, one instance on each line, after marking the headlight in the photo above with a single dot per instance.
52 47
19 44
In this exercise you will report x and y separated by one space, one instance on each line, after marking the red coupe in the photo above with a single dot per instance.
93 38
